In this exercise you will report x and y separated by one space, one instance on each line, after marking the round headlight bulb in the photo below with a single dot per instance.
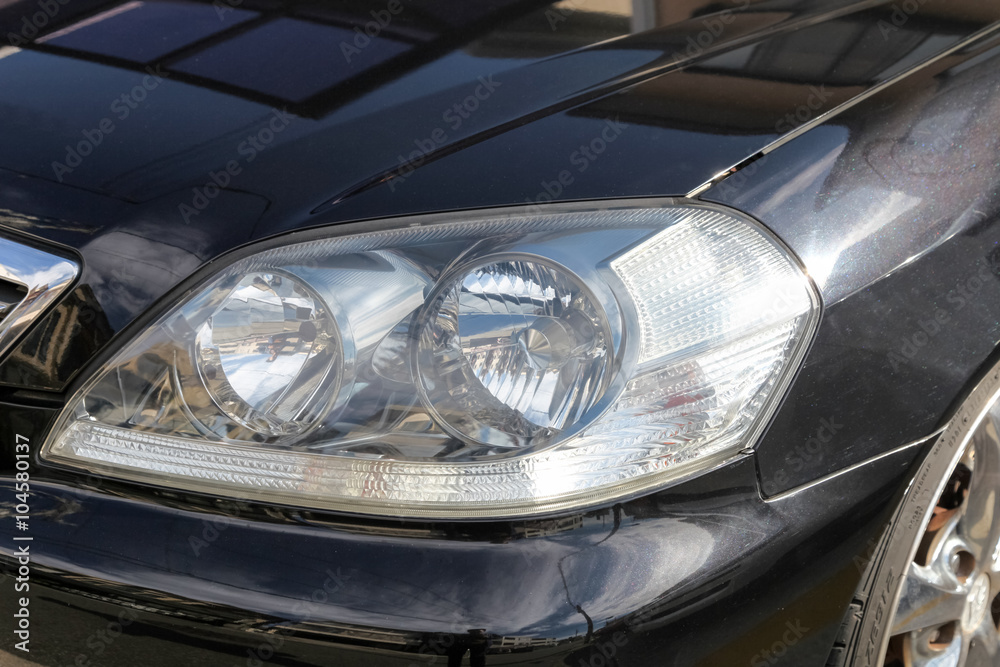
266 352
513 350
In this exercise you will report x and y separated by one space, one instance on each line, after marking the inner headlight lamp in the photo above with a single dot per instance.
497 364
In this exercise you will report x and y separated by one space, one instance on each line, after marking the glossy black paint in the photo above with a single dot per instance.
569 106
894 207
704 573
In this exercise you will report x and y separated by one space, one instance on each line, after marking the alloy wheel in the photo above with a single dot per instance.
949 604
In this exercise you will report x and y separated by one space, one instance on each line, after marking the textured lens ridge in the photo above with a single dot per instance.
691 294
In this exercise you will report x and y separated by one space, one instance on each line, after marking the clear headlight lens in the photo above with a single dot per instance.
490 365
511 351
264 354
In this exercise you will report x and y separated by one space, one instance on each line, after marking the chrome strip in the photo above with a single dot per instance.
854 466
45 277
982 34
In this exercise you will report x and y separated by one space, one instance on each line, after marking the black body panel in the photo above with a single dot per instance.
716 571
706 573
893 205
655 113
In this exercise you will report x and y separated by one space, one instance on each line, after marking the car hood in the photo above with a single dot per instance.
312 105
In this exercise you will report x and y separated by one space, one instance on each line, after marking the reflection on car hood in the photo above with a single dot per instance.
314 102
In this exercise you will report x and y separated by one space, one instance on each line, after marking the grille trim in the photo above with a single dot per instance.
42 276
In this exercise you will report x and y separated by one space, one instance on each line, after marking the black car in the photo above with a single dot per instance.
501 332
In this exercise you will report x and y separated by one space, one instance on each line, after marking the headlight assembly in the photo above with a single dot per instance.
486 365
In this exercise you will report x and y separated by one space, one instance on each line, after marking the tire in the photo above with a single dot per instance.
910 540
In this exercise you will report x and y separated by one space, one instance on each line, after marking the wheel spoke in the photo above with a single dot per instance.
985 643
923 650
980 654
948 612
977 526
926 601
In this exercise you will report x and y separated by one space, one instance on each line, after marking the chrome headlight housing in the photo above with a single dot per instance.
505 363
